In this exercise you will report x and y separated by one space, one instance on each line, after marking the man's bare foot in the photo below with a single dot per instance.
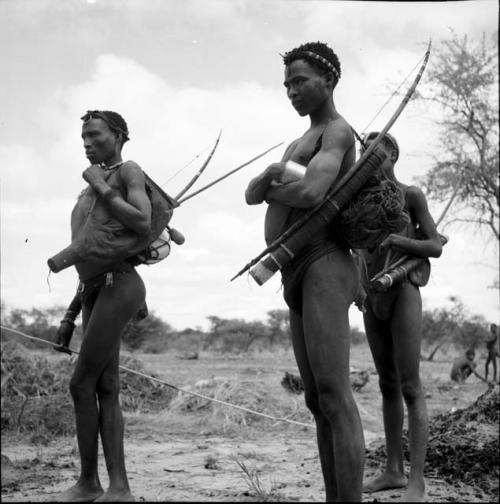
81 492
119 495
385 481
415 493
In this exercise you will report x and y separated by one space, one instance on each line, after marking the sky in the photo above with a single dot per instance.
178 72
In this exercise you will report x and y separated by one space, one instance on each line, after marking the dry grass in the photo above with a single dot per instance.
251 394
256 485
36 398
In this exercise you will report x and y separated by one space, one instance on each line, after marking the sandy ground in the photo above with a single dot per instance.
195 457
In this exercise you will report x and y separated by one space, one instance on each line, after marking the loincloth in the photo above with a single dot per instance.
293 273
89 289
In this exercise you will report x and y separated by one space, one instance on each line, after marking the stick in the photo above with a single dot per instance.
200 171
189 196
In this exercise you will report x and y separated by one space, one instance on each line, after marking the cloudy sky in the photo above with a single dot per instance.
179 71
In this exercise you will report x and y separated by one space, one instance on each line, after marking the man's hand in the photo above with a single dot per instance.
94 175
392 241
257 188
64 334
274 171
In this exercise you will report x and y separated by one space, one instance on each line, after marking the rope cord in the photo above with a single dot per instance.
375 212
152 378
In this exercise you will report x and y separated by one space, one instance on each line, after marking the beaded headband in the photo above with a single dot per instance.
325 62
97 114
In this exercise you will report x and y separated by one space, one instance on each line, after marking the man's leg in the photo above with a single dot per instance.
406 331
100 347
487 365
379 338
323 429
88 486
112 429
328 289
114 308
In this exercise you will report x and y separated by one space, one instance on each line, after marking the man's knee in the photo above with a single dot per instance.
312 402
411 391
332 399
108 386
79 388
389 384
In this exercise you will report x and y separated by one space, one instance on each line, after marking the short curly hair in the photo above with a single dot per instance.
310 52
114 121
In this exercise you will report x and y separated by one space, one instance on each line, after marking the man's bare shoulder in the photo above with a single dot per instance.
131 171
415 195
338 133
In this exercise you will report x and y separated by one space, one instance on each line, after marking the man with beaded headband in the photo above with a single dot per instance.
321 282
110 293
392 322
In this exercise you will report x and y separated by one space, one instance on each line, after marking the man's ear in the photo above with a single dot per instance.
119 137
394 155
330 79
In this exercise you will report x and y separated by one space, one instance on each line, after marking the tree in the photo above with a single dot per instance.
279 327
149 334
473 333
441 326
464 86
37 322
238 335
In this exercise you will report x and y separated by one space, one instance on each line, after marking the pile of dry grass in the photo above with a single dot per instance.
463 445
35 395
36 398
139 393
253 395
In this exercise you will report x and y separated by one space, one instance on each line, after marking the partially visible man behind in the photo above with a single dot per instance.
110 293
321 282
463 366
492 348
393 321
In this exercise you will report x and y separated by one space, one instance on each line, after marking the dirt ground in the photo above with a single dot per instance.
194 451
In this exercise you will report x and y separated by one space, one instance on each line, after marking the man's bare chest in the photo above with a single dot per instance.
304 148
88 202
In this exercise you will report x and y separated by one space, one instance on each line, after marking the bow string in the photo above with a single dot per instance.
201 170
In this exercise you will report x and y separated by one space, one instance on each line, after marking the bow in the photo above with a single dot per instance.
200 171
300 222
246 163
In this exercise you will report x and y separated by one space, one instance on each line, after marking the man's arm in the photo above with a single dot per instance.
258 186
430 244
321 173
67 325
134 212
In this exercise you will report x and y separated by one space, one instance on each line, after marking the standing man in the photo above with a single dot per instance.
491 347
393 328
321 283
110 292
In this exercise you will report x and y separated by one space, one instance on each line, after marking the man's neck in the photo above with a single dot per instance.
324 114
116 159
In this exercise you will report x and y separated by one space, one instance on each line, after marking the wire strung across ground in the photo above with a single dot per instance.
152 378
